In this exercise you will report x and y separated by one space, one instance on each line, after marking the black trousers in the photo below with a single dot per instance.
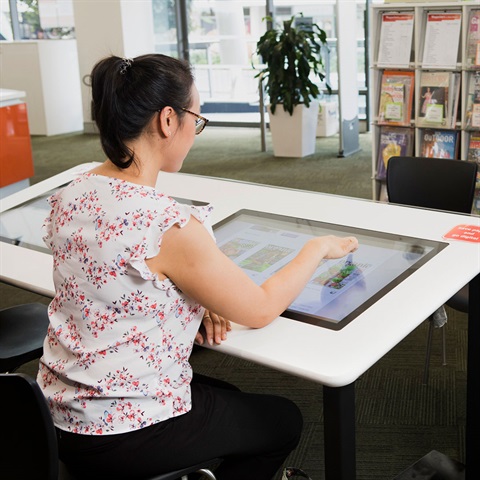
253 433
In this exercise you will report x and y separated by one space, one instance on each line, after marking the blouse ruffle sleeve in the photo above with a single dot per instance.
174 214
47 226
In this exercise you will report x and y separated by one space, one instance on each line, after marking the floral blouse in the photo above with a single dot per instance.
116 356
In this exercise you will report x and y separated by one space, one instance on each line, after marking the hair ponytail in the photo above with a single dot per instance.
126 93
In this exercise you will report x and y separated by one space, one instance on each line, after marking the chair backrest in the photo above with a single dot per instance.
30 449
29 441
438 183
22 332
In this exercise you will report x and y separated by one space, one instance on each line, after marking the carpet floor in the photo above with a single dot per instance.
398 419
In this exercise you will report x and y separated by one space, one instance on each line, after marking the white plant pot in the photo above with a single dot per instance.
294 135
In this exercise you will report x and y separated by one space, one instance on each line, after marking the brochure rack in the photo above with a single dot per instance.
424 41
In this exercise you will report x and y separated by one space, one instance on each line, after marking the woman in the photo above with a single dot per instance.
135 275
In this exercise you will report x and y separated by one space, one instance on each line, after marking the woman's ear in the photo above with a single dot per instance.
167 118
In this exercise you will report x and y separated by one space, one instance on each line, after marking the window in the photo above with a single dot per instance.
6 32
222 37
165 27
37 19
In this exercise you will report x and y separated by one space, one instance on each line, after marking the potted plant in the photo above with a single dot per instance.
293 62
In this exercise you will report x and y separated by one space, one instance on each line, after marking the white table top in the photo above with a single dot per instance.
11 97
333 358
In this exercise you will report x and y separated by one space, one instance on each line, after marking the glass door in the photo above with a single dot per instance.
219 38
165 20
222 36
322 12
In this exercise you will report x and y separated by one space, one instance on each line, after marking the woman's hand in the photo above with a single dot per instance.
332 246
214 328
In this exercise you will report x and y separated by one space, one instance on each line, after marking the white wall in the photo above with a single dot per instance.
109 27
54 73
47 70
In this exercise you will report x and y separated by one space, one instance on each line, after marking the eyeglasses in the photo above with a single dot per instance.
200 123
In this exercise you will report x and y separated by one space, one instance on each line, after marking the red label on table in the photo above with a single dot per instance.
467 233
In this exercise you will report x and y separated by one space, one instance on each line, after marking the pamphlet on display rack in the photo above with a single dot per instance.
396 97
396 34
393 142
473 40
472 110
442 37
439 143
340 289
439 98
473 155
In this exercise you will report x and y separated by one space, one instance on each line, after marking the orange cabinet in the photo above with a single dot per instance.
16 162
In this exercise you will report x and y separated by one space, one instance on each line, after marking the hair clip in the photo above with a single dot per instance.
126 63
290 472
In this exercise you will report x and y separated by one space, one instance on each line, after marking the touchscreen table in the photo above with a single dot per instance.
340 289
313 353
22 225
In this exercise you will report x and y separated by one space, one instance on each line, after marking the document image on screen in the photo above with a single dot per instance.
340 289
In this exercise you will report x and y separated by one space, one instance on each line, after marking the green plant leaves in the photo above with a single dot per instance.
292 57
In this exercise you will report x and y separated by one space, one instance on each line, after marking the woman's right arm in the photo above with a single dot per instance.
192 260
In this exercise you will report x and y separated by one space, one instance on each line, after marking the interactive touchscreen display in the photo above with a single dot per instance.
340 289
22 225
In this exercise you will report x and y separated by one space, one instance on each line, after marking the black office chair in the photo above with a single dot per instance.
441 184
30 444
22 331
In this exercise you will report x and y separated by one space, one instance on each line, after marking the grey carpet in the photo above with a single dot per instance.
233 153
399 420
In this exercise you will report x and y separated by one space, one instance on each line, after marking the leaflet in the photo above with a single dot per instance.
396 36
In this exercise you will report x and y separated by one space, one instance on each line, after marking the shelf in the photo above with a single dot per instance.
454 20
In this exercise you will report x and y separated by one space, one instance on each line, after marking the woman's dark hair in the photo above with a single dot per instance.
126 93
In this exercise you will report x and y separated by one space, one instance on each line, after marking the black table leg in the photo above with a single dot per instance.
339 432
472 428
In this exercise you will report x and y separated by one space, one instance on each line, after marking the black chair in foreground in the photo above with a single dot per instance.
30 448
22 331
441 184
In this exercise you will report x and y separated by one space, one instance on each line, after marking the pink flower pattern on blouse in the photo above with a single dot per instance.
116 357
